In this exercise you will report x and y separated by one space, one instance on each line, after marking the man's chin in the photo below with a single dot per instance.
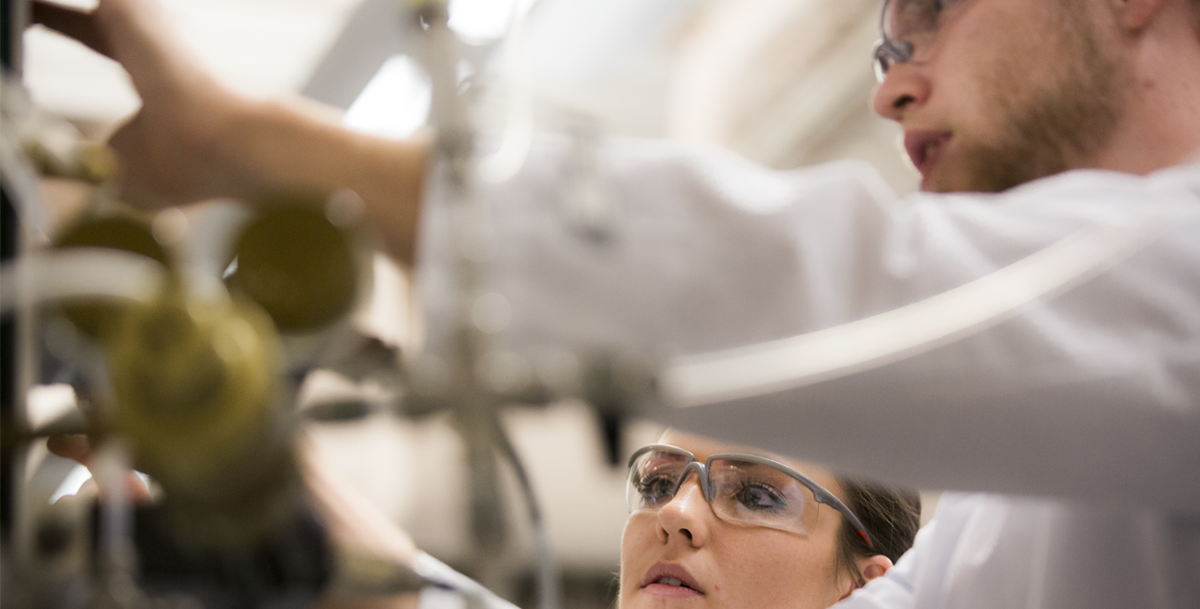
948 180
933 183
977 168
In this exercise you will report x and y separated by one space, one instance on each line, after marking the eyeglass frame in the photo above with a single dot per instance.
888 51
820 493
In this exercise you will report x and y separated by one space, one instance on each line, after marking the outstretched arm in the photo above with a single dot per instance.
194 138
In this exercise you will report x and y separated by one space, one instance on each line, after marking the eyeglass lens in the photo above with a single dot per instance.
906 19
743 492
760 495
907 26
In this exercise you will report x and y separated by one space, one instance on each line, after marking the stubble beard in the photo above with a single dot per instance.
1054 124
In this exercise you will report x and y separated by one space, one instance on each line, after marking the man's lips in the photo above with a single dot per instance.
670 580
925 147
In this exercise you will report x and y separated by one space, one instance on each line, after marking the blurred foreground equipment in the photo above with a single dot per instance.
182 370
185 344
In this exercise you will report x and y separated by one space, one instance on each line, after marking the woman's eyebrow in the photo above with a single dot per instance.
758 453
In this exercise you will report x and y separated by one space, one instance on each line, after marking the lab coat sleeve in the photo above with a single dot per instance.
1089 391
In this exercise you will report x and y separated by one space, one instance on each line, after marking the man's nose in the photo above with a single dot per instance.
905 87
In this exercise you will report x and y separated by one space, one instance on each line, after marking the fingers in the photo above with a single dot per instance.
136 33
78 449
166 150
141 36
71 22
136 491
73 447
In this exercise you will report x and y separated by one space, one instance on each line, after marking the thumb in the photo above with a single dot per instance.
74 447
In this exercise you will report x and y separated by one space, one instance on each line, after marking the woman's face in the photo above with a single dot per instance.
724 564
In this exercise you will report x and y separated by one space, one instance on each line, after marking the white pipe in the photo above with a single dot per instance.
874 341
79 273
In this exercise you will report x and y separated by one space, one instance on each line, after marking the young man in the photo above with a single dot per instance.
1034 332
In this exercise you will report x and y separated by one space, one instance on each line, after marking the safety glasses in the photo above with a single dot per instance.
741 488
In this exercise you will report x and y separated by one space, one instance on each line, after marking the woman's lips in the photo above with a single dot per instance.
671 581
925 147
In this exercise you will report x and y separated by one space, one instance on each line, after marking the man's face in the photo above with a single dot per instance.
1003 91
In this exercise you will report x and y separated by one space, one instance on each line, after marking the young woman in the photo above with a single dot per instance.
771 533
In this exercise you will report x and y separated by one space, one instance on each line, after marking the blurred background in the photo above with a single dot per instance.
783 82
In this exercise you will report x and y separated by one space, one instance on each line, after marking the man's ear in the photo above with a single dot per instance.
1135 15
870 567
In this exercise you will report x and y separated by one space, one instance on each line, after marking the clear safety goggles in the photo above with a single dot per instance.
906 27
741 488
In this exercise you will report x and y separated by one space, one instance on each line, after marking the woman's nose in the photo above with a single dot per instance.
686 516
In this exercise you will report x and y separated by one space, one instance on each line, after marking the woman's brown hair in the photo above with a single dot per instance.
891 516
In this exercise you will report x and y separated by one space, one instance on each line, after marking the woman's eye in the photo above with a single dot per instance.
760 498
656 489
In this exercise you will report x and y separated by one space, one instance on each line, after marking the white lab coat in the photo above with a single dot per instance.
985 551
1086 399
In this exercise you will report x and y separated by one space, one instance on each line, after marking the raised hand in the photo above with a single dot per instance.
77 448
195 138
170 150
